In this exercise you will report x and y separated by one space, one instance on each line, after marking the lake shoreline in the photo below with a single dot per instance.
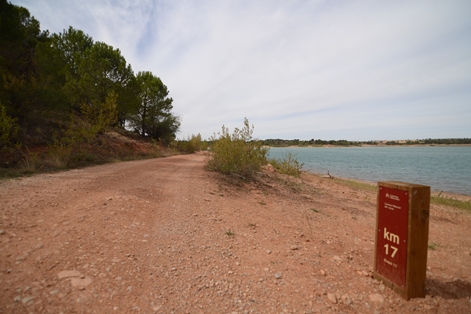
458 196
368 145
444 168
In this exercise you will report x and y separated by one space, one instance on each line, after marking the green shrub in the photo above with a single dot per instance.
357 185
452 202
30 163
101 115
190 145
236 153
70 147
288 164
57 159
8 129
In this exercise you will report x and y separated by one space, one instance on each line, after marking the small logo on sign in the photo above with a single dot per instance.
392 197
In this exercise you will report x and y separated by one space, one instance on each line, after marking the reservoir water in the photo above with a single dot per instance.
443 168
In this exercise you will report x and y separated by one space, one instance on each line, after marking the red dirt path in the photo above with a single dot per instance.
166 236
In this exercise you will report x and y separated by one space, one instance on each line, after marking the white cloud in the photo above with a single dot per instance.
296 69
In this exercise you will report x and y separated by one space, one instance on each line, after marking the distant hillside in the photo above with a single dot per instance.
319 142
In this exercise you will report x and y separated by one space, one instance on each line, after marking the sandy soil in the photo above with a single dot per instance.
166 236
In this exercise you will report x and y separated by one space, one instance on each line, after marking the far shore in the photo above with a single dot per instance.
368 145
461 197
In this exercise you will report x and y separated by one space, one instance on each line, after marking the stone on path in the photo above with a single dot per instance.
76 278
80 282
27 300
68 274
346 299
332 297
378 298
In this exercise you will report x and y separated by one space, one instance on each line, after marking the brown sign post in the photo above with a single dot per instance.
402 237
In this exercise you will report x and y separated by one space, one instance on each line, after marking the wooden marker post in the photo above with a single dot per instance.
402 217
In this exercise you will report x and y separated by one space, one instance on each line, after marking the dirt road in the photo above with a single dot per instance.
166 236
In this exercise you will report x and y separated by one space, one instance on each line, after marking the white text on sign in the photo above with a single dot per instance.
391 236
394 239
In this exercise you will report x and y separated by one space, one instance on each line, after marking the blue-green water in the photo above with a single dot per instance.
443 168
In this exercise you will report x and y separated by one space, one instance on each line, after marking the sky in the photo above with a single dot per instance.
297 69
